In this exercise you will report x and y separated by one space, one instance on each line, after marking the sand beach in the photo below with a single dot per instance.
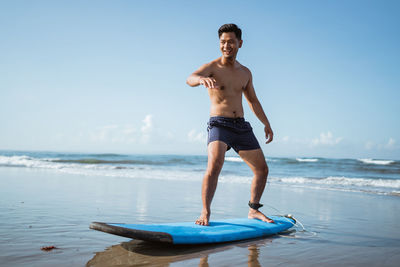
53 207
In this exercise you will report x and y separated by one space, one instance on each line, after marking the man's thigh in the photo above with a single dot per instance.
254 158
216 154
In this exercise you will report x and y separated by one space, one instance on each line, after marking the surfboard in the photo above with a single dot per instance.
190 233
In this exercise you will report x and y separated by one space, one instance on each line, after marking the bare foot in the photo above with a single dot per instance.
203 219
255 214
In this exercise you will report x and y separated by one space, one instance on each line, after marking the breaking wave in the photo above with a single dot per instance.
343 181
306 160
233 159
377 161
379 176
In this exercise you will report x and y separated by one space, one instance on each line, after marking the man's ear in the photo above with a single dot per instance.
240 43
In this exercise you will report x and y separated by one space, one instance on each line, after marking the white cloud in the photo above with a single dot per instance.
369 145
123 134
391 143
194 136
114 134
326 139
168 135
147 128
147 124
103 133
285 139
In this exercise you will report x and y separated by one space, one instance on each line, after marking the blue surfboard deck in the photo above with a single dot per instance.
190 233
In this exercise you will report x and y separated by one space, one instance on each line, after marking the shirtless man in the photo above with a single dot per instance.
227 80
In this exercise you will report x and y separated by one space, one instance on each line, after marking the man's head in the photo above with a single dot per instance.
230 28
230 37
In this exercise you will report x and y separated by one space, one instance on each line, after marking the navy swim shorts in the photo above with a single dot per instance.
235 132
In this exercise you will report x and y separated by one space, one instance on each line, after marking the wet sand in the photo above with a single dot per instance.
44 208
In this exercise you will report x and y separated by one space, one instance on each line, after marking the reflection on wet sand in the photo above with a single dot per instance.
137 252
254 251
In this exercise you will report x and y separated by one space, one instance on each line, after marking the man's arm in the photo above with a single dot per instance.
202 76
256 107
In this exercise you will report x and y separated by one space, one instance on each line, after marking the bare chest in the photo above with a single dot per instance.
231 81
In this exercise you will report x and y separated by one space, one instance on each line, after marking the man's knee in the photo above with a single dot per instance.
214 167
263 171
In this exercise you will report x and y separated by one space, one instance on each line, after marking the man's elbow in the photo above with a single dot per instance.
190 82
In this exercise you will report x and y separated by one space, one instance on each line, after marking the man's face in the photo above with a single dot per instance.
229 44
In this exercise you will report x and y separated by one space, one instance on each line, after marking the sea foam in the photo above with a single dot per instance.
233 159
306 160
343 181
376 161
192 169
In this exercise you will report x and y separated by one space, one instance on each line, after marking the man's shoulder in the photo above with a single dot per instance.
215 62
211 64
243 68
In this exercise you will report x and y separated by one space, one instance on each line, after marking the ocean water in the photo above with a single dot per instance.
349 209
375 176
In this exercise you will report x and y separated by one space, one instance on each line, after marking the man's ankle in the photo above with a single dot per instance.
205 211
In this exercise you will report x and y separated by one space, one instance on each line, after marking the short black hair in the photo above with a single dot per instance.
230 28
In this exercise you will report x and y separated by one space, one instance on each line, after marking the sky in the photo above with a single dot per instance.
110 76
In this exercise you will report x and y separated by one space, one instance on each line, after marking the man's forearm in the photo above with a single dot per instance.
259 111
193 80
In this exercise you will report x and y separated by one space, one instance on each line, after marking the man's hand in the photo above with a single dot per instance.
269 134
209 82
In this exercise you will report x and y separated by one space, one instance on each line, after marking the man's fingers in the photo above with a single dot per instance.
215 84
269 136
209 83
212 83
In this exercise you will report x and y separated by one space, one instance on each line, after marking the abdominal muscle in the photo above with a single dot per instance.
229 107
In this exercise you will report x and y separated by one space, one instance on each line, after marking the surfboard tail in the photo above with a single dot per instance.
132 233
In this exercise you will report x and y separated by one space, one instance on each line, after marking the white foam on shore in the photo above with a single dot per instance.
306 160
136 172
376 161
343 181
365 185
236 179
233 159
237 159
25 161
46 163
142 171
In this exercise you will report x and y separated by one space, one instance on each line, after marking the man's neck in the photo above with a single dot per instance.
228 62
